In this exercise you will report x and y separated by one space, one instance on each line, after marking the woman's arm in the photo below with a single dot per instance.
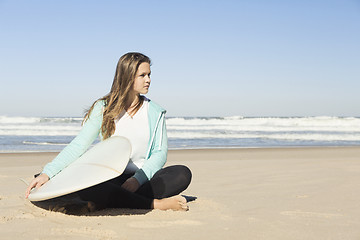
74 150
157 157
79 144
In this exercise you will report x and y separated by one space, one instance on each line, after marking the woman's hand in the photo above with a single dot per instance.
131 184
37 182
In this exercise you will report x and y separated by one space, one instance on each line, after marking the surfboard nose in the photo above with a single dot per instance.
106 160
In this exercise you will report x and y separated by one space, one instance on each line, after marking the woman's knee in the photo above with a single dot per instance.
184 175
175 176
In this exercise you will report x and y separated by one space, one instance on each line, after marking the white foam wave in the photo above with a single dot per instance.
270 125
285 136
242 128
34 120
234 118
17 120
267 121
38 132
322 128
43 143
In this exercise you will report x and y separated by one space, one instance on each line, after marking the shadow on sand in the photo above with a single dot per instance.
71 204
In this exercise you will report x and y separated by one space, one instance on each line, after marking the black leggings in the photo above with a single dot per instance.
167 182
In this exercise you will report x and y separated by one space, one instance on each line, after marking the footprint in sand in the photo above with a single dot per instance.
160 224
25 216
299 213
14 215
5 219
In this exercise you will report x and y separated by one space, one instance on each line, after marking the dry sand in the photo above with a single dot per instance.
287 193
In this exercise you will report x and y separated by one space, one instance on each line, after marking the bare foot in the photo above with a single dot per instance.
176 203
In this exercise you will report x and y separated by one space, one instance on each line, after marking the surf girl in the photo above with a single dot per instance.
125 111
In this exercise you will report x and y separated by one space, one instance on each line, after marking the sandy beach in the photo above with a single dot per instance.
279 193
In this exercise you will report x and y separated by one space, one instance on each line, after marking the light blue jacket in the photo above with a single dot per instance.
157 147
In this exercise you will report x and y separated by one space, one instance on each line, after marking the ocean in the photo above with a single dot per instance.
51 134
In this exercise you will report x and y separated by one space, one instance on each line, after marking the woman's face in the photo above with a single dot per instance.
142 79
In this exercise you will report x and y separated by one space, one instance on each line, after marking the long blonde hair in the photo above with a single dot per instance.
116 99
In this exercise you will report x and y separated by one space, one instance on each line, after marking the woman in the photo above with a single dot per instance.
125 112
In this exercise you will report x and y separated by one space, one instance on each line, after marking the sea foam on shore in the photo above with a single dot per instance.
53 133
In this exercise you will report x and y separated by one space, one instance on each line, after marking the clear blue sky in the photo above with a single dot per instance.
210 58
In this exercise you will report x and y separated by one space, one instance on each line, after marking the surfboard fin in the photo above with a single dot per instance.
24 181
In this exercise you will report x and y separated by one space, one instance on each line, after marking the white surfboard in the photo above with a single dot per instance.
106 160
